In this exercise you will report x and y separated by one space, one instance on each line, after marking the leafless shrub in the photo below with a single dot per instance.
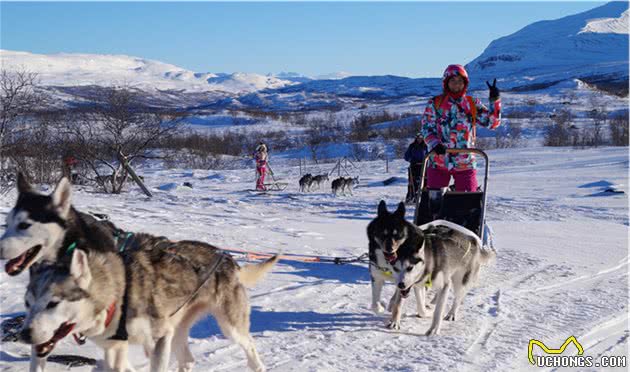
122 123
558 133
618 126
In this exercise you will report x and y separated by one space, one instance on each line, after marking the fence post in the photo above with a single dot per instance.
386 165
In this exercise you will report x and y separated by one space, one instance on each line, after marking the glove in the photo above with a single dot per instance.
440 149
494 91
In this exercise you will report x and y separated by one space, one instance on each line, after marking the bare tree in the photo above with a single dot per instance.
619 130
18 99
558 133
120 123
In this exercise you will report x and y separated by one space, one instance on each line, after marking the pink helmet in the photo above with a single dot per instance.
454 70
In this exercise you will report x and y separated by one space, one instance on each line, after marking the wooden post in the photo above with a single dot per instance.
123 160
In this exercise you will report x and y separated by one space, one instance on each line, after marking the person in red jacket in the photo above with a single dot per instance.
449 122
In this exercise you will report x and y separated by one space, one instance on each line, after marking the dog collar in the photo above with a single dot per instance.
80 338
110 313
71 247
427 282
383 269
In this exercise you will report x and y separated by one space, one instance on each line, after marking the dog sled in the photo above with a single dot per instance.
467 209
275 185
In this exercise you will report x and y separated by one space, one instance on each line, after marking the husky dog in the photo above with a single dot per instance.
42 227
317 180
305 182
449 256
342 184
154 292
387 234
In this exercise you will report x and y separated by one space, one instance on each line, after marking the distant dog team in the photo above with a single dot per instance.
308 181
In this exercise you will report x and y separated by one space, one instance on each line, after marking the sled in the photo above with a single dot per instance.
466 209
275 185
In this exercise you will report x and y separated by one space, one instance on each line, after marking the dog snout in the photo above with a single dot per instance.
401 285
25 336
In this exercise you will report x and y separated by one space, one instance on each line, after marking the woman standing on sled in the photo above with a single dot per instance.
449 122
261 165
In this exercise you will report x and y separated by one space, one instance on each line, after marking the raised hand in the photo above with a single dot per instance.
494 91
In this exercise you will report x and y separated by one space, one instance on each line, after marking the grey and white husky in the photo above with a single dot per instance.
150 296
450 256
387 234
319 179
42 227
342 184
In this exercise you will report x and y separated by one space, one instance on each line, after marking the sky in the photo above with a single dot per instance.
414 39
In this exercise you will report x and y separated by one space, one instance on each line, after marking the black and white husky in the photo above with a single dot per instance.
305 182
387 234
447 256
42 227
342 184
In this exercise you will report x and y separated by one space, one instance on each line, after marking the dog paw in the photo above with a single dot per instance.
394 325
424 314
378 308
432 332
450 317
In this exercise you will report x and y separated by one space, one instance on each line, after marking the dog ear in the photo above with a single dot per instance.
61 197
400 212
79 268
22 183
382 209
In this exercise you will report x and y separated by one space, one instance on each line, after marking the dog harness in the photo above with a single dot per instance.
384 270
212 270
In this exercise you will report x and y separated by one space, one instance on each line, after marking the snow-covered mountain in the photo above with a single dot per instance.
70 69
590 45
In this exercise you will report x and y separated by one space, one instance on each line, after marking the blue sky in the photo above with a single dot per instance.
408 39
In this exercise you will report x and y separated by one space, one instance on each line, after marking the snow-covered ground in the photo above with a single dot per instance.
562 267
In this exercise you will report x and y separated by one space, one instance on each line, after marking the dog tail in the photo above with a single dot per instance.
249 275
488 255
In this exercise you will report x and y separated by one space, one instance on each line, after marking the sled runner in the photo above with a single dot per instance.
466 209
275 185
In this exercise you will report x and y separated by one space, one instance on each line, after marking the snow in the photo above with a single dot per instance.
608 25
591 43
561 270
76 69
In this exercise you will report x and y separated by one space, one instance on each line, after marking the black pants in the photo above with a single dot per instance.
415 173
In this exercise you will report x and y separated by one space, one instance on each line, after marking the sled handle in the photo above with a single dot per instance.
482 216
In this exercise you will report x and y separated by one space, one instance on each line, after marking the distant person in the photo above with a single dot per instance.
69 163
261 157
415 154
449 122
